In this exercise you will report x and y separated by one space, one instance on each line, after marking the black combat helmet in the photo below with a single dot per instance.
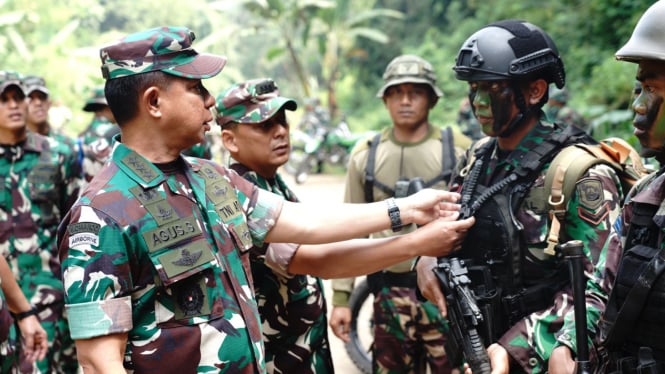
510 49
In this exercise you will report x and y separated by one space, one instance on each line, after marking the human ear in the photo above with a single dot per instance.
229 141
152 102
537 90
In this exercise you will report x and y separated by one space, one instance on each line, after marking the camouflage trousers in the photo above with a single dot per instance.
407 334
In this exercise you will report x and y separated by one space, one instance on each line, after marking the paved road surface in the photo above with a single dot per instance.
329 188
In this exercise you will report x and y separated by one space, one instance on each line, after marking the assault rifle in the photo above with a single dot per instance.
464 316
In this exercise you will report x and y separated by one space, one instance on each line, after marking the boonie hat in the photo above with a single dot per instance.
34 83
253 101
168 49
10 78
409 69
96 101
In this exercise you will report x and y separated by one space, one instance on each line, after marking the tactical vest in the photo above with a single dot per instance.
448 162
640 291
494 249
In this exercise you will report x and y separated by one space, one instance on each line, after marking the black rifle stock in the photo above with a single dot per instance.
464 316
574 253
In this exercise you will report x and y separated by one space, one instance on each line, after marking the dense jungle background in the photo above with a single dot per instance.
334 50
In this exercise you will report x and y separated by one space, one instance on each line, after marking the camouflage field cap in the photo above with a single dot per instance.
10 78
167 49
96 101
34 83
409 69
253 101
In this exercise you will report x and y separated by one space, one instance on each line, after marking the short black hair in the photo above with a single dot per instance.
122 94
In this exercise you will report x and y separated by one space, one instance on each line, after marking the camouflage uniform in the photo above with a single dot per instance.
404 327
632 335
41 180
591 211
292 307
164 252
401 321
160 253
94 142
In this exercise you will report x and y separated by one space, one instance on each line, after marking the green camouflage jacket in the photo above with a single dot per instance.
163 257
41 180
292 307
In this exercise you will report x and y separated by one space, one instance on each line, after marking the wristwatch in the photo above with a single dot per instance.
393 213
30 312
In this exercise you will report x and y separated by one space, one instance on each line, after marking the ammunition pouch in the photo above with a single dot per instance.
380 279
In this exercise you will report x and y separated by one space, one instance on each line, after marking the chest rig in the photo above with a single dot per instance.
495 250
633 318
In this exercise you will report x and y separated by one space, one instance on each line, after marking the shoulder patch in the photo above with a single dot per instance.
592 206
83 227
83 233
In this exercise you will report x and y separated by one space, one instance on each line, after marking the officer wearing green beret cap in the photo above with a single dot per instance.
255 131
154 254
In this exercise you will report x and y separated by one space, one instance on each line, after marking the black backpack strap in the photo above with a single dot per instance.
448 159
370 180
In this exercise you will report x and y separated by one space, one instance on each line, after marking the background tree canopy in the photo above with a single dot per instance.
335 50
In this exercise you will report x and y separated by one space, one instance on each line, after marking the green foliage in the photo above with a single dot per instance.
332 49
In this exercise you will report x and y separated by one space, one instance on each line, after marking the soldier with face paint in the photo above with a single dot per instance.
520 280
631 334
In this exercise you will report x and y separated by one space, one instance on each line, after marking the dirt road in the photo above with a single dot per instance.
328 188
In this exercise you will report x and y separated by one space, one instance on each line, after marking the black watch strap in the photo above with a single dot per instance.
19 316
395 217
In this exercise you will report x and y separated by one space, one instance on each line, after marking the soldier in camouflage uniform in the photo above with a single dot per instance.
154 253
40 182
406 330
94 142
509 66
558 110
20 332
631 334
255 131
39 105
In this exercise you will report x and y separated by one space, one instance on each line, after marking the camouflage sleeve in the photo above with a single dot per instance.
279 255
95 273
606 268
262 213
593 208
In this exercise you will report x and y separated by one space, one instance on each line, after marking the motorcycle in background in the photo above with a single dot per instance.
322 145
